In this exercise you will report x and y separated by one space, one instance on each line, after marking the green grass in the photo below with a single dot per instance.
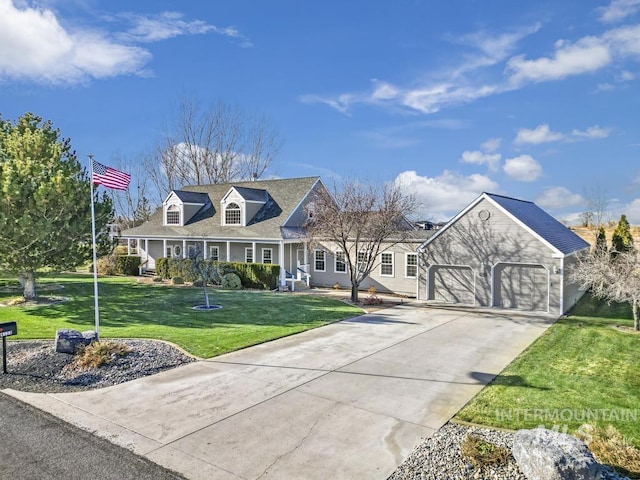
581 365
132 310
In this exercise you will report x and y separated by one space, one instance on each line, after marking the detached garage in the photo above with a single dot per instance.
501 252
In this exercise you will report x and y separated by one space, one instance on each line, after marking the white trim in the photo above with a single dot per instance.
393 265
335 262
406 264
315 260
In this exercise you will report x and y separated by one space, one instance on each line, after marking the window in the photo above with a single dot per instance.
412 265
341 263
248 254
362 260
192 251
214 253
386 264
232 214
173 215
177 251
169 252
319 264
267 255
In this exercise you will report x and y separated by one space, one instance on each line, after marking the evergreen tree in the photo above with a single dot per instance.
601 241
45 203
622 240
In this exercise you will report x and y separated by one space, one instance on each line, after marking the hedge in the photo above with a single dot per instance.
253 275
127 265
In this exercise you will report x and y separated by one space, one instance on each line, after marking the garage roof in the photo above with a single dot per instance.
541 223
530 216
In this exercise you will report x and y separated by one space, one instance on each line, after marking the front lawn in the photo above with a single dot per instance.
581 370
133 310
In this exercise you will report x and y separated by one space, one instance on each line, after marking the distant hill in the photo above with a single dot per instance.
589 235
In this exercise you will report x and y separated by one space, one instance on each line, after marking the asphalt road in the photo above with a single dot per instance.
37 446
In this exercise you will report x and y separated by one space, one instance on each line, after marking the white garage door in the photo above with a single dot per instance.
525 287
449 284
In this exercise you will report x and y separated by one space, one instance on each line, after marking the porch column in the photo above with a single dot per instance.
164 247
204 249
129 246
184 249
306 263
283 277
255 254
228 251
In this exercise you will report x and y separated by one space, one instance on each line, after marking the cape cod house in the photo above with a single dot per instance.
497 252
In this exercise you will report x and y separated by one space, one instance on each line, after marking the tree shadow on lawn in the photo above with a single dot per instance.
490 379
128 305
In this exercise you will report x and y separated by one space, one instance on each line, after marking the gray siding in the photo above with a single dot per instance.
571 292
398 282
488 247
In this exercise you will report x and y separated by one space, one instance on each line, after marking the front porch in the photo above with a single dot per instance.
293 257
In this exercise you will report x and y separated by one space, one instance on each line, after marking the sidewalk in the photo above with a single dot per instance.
349 400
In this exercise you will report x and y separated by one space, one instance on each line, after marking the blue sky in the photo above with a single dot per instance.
536 100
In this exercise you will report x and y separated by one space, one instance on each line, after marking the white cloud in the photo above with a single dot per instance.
491 145
165 25
632 211
624 41
35 46
523 168
627 76
443 196
540 134
605 87
559 198
592 132
618 10
477 157
584 56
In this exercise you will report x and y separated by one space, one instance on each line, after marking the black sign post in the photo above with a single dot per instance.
6 329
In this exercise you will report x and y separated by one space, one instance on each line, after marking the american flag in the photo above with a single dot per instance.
110 177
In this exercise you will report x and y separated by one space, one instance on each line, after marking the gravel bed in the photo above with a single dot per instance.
35 366
438 458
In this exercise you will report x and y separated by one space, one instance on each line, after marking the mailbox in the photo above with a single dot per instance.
8 328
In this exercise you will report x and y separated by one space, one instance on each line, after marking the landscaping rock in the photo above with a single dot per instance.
550 455
69 340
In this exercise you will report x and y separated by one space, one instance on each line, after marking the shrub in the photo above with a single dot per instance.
127 265
611 448
97 354
107 265
121 250
162 268
257 275
156 279
198 283
481 452
231 281
177 280
182 267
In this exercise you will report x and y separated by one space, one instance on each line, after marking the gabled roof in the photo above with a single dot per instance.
252 194
283 196
533 218
191 197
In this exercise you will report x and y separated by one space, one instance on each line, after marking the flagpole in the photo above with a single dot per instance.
95 261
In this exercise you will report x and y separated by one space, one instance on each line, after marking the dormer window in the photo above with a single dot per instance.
232 214
173 215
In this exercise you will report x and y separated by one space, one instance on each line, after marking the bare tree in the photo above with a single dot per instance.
597 203
362 219
134 205
612 278
213 144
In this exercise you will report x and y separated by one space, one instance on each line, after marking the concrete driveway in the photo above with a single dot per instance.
349 400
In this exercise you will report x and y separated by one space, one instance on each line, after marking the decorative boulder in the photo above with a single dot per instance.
69 340
543 453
